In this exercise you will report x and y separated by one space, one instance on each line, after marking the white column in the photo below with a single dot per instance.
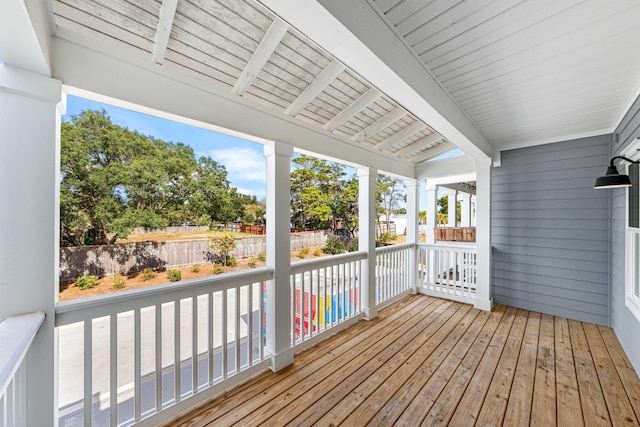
367 238
30 108
483 298
473 210
413 217
432 212
465 209
453 212
279 341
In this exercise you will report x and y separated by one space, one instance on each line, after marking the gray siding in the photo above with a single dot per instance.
624 323
550 229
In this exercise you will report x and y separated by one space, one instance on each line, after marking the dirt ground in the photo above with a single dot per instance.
105 284
185 235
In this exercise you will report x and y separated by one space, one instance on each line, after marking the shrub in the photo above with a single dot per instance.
353 246
386 237
262 257
317 252
252 263
232 261
117 282
334 247
219 248
218 269
86 282
195 268
148 274
302 253
174 275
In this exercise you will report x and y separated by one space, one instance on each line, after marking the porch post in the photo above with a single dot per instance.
473 210
432 212
367 238
465 209
279 340
30 107
483 298
453 211
413 198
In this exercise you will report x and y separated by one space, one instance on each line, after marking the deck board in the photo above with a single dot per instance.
433 362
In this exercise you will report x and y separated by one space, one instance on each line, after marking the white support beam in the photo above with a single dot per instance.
419 145
354 33
454 166
379 124
483 300
432 211
125 79
452 207
465 209
413 207
267 46
404 133
25 35
367 237
316 87
434 152
278 302
358 105
163 32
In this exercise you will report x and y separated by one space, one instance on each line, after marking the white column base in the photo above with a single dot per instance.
370 313
282 360
483 304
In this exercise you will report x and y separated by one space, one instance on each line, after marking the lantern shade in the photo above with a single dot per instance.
612 179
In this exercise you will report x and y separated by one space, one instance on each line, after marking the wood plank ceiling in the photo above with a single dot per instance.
527 72
242 47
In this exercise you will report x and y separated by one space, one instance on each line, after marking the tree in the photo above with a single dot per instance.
114 179
443 210
390 192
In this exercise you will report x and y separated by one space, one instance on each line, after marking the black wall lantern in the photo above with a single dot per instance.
612 179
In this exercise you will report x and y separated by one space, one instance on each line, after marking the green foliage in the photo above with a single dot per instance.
218 269
174 275
232 261
114 179
386 237
117 282
317 252
219 248
334 247
262 256
302 253
443 210
353 246
390 192
195 268
148 274
86 282
252 263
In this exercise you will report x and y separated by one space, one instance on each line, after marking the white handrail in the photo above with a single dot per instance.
90 308
391 248
461 247
16 336
314 264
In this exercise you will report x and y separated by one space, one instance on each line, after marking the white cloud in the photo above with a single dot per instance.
243 164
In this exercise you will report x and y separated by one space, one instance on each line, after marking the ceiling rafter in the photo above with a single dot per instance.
418 145
324 79
358 105
399 136
430 154
163 32
267 46
379 124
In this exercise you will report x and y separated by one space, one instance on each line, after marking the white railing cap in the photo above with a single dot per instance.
314 264
16 336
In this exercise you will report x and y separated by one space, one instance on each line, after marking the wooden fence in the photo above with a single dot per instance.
128 258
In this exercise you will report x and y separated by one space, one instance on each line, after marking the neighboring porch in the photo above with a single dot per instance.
429 361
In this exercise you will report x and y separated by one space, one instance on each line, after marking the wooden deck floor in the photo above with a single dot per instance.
435 362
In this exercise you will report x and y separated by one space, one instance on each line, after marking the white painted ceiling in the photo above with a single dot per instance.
527 72
511 73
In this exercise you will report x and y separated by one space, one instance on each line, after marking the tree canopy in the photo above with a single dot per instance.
114 179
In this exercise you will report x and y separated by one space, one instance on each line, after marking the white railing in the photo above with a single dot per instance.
325 292
447 271
16 336
125 357
392 271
